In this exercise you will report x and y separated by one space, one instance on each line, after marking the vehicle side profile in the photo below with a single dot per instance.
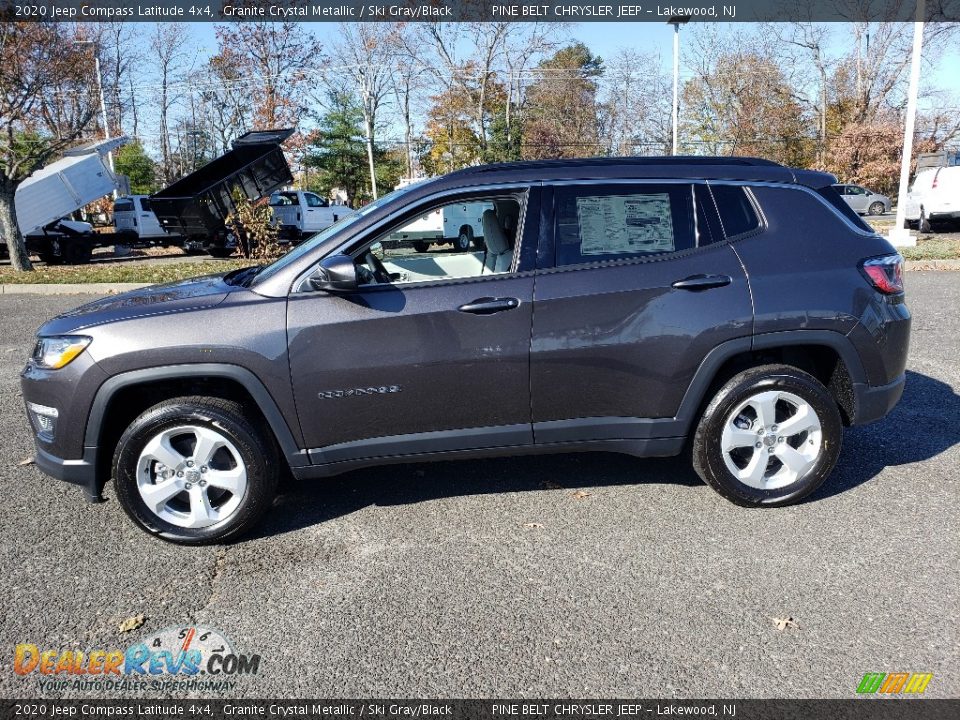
732 308
863 201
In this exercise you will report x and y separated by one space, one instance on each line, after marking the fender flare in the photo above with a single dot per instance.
711 364
250 382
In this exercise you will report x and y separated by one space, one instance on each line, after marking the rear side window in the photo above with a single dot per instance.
737 214
598 223
145 205
122 205
829 194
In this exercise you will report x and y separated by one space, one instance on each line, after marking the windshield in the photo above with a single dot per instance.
308 246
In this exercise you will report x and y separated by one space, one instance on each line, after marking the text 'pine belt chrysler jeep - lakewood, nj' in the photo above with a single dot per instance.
731 306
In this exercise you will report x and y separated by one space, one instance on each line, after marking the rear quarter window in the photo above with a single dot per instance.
737 214
829 194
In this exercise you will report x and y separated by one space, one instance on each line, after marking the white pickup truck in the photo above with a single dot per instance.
45 200
300 213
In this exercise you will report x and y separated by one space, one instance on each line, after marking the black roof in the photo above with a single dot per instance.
674 167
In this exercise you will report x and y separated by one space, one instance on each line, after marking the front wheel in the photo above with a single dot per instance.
420 246
877 208
196 470
769 437
464 240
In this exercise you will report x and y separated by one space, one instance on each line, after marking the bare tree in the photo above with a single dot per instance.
368 53
168 43
46 104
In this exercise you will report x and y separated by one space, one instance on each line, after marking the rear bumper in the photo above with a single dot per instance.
873 402
82 472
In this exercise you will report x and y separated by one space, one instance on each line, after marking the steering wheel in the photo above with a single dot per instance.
380 272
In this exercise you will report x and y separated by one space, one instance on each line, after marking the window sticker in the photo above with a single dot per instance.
625 224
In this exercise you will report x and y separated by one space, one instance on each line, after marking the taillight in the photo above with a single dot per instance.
885 273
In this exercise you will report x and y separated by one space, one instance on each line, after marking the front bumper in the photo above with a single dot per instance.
873 402
82 472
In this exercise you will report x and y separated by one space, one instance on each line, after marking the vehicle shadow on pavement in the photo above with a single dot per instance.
924 424
303 503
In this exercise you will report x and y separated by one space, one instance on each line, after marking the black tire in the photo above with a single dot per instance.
708 456
251 439
221 252
76 251
194 250
924 223
877 208
421 246
464 240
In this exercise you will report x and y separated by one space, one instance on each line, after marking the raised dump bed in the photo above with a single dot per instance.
198 204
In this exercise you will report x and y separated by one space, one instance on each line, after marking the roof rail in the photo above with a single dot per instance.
627 160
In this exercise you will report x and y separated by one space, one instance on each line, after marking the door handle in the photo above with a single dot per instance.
702 282
489 305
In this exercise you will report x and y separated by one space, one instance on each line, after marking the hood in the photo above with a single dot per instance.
201 292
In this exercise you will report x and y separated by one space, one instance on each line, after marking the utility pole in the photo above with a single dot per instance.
676 21
103 104
368 128
899 235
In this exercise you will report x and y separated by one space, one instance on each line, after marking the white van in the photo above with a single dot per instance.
934 197
461 225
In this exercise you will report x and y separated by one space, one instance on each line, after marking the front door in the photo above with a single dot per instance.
641 291
432 356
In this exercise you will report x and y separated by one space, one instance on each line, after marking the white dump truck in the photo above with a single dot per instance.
46 199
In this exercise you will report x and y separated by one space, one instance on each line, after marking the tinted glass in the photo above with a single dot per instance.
736 211
596 223
831 196
123 205
145 205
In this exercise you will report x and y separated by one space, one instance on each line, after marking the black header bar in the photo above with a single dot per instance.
477 10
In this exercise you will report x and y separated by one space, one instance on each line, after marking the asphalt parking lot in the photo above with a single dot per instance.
585 576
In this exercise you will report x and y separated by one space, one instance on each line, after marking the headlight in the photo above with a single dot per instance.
59 350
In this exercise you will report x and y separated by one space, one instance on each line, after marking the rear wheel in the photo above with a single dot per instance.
770 436
464 239
420 246
877 208
221 252
924 224
76 251
196 470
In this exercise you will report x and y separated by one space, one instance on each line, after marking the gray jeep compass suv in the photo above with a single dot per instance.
731 306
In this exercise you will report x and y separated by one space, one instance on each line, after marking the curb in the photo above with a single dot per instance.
69 288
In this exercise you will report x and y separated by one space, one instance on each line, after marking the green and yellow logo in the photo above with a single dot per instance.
894 683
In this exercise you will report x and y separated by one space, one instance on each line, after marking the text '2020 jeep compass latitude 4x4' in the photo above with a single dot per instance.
627 305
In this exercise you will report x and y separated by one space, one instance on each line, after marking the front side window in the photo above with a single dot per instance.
856 190
604 223
122 205
314 200
424 248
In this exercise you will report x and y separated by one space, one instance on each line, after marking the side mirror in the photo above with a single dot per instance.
336 273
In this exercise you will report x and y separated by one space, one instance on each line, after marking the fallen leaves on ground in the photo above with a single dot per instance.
132 623
26 461
580 495
533 525
785 622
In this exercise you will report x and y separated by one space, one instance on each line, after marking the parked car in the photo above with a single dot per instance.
862 200
934 197
626 305
301 214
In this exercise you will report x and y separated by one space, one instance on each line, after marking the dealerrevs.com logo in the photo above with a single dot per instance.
177 658
894 683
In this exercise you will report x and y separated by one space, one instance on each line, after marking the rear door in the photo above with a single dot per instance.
636 289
